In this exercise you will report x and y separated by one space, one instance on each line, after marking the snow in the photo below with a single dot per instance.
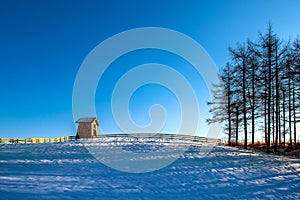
69 171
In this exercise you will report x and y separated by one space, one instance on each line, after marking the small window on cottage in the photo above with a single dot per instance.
95 133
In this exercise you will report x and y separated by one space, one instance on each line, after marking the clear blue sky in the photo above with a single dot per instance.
43 43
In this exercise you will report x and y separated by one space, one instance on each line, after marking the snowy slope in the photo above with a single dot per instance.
68 171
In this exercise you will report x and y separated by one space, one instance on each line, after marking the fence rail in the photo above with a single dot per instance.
35 140
165 136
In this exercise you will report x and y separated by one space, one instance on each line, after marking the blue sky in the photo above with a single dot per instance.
43 43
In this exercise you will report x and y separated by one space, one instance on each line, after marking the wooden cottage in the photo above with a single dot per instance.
87 127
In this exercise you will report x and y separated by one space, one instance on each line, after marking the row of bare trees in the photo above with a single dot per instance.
260 91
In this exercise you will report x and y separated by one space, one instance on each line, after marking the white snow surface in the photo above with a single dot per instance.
69 171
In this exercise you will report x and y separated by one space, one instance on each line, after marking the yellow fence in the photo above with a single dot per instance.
35 140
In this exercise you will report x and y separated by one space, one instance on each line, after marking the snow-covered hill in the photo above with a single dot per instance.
68 171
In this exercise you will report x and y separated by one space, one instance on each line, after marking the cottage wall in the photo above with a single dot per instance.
84 130
94 129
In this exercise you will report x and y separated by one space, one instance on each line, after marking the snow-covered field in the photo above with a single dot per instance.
68 171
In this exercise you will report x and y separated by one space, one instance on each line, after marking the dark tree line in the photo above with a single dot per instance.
260 91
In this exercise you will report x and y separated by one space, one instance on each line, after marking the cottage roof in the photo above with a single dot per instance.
88 120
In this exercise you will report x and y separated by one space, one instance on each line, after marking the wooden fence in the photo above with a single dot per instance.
35 140
144 135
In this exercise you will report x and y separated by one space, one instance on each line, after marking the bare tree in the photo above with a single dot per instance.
240 57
